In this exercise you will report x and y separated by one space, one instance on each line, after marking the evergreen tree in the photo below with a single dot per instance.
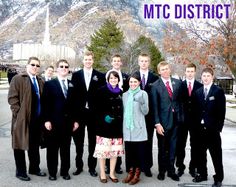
146 45
104 42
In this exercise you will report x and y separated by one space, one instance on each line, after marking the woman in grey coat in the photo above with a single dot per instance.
135 102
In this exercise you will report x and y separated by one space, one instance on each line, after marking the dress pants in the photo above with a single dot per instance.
58 143
149 144
182 136
33 152
166 151
210 139
78 137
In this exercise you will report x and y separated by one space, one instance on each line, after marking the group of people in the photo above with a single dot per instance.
120 113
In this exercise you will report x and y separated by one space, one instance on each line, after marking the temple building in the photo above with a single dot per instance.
45 51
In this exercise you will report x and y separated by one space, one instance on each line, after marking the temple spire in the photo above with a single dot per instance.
46 39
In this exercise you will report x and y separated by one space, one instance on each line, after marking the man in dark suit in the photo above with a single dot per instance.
86 83
24 98
167 114
189 86
209 116
57 122
116 63
147 79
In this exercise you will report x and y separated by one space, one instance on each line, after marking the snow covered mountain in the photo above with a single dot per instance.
71 22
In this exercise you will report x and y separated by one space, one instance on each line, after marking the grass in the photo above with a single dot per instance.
3 74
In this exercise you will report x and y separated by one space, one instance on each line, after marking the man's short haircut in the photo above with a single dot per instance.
208 70
62 60
33 58
88 53
115 56
191 65
144 55
49 67
162 63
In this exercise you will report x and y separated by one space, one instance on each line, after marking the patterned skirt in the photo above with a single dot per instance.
108 147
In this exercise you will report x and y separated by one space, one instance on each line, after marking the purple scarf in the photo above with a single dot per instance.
113 90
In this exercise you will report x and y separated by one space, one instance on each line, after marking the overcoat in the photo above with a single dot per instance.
19 98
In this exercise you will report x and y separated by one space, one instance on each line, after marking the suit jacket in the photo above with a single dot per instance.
188 100
151 79
163 105
81 95
125 81
212 110
56 106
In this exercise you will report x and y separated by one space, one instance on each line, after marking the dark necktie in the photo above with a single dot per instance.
169 89
38 96
64 88
143 81
189 89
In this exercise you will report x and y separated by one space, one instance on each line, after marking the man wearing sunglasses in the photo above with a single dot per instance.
57 122
24 98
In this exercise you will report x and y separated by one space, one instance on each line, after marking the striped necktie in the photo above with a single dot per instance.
64 88
169 89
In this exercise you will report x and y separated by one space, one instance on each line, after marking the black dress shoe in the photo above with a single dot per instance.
118 171
161 176
39 173
148 173
23 177
93 173
66 177
199 178
217 184
180 173
192 173
173 176
78 171
52 178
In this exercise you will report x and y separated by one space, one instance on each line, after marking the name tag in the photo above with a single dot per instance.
211 98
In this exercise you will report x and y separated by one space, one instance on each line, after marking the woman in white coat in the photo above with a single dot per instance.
135 102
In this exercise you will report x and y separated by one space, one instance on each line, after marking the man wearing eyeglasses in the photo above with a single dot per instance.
86 83
24 98
57 122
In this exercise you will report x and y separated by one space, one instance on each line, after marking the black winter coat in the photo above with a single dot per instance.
109 103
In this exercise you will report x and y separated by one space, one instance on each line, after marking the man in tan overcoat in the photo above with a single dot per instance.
24 99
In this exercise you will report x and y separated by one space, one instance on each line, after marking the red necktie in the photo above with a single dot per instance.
169 89
189 89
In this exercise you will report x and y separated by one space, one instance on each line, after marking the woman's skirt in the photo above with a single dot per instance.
108 147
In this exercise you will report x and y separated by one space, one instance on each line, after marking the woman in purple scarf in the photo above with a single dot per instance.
109 141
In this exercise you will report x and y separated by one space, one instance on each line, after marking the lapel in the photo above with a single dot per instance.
210 92
91 80
163 88
173 83
58 87
82 79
